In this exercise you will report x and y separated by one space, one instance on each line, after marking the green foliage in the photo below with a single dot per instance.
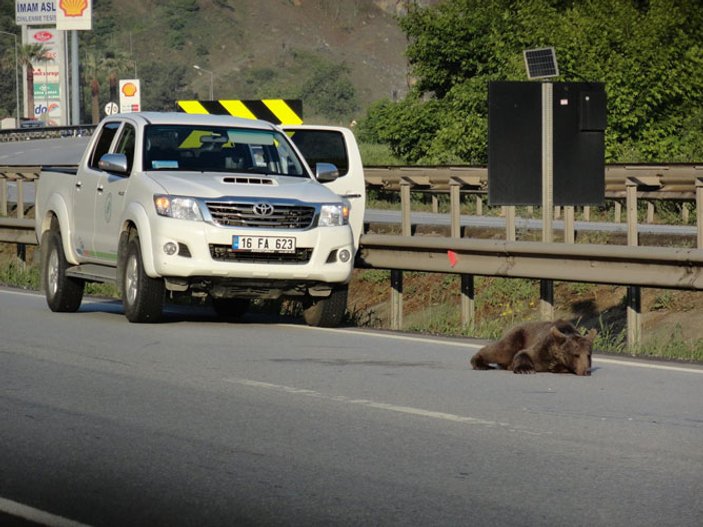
179 15
16 273
161 82
7 60
648 54
377 154
375 276
328 91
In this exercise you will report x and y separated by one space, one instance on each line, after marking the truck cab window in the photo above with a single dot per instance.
102 146
125 145
322 147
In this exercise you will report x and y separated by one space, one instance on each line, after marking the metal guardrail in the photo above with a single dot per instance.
650 179
13 230
46 132
660 267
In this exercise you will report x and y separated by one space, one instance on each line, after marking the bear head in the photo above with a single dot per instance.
572 351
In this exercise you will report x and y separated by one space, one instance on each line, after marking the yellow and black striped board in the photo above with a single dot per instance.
276 111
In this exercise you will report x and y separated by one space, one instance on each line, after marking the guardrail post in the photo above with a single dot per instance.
468 302
587 213
569 234
699 211
3 197
684 213
406 226
396 300
634 294
479 205
435 203
19 185
617 212
397 275
455 209
509 212
467 280
650 212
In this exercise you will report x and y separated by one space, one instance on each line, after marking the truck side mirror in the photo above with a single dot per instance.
114 163
326 172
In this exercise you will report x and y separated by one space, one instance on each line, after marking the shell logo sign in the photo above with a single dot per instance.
130 96
73 7
129 89
74 14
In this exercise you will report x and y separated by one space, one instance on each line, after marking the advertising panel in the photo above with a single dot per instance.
130 96
34 13
47 89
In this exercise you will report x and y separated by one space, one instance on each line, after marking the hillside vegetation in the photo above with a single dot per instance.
336 56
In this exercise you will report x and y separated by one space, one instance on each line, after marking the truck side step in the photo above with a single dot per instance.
93 273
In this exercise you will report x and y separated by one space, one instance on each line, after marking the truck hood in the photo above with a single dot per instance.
217 185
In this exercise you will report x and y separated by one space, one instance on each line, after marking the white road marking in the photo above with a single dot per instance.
652 366
367 403
35 515
408 338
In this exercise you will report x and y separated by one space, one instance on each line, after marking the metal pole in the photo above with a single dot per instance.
634 301
17 87
547 286
75 81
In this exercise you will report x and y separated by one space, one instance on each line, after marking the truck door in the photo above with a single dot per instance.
109 202
327 144
86 192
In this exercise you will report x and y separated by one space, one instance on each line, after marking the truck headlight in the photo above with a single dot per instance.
333 215
177 207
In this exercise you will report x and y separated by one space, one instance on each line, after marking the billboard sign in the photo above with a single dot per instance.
74 14
130 96
47 88
34 13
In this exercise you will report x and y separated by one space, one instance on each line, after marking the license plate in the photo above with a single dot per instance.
263 244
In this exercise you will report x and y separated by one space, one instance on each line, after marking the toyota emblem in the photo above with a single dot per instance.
263 209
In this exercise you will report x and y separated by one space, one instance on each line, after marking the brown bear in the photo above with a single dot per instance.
532 347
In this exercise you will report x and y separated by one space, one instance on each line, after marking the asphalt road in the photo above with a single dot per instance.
268 422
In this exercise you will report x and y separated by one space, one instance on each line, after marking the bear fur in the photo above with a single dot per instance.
532 347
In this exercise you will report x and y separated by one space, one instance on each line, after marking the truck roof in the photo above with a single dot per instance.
194 119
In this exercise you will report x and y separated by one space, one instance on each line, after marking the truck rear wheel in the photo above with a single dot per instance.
63 294
327 311
142 296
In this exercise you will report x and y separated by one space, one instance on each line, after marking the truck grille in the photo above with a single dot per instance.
232 214
224 253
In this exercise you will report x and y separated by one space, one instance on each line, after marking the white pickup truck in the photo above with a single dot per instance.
172 204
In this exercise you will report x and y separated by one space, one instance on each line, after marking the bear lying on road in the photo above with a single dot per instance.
555 347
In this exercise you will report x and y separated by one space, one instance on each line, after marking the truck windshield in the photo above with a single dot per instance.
218 149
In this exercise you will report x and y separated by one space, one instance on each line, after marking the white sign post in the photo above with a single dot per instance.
130 96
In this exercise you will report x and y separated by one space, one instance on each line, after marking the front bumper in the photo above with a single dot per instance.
195 242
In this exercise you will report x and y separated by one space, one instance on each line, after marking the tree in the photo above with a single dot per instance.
647 53
329 91
27 55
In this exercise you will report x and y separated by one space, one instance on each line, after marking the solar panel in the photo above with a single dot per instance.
541 63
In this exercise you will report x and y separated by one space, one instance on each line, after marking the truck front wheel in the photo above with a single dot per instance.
327 311
63 294
142 296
